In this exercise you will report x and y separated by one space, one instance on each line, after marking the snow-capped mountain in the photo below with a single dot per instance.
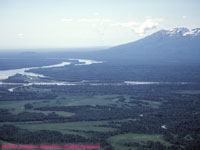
193 32
180 32
176 31
178 44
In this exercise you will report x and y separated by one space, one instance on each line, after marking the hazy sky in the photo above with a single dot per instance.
83 23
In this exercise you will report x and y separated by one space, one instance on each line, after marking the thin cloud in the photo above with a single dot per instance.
66 20
138 27
96 14
149 24
93 20
184 17
125 24
20 35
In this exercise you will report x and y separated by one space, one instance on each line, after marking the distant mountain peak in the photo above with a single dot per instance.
177 31
175 45
193 32
181 32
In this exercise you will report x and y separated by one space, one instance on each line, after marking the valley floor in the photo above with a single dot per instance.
120 117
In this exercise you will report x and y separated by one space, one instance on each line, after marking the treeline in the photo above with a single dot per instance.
98 112
16 135
6 116
149 92
5 95
114 73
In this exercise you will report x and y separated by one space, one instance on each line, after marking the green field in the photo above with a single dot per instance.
108 100
78 128
121 142
69 126
17 107
189 92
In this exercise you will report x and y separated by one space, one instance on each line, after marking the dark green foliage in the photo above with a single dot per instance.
17 135
28 106
113 72
6 116
98 112
13 96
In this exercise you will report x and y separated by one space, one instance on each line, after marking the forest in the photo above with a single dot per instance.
163 116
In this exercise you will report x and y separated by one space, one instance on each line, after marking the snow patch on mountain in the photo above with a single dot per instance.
182 32
177 31
193 32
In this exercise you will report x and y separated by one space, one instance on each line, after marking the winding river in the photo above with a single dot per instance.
5 74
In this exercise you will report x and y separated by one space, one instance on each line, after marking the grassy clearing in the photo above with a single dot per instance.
60 113
77 128
147 103
63 127
56 144
152 104
85 100
190 92
16 107
5 143
119 141
66 128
